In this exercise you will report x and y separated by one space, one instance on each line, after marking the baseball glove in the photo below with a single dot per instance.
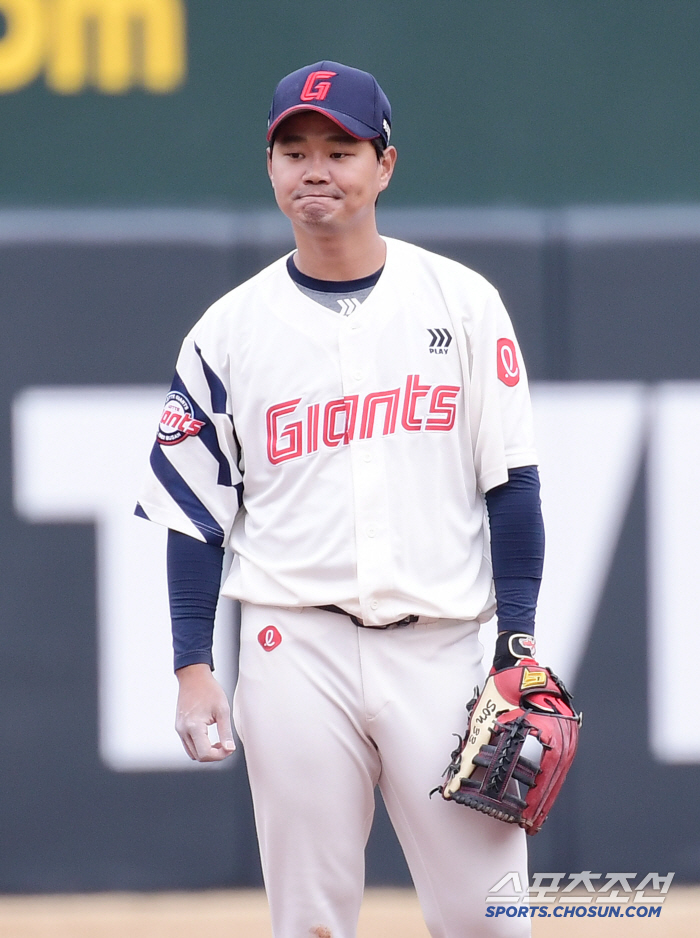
520 742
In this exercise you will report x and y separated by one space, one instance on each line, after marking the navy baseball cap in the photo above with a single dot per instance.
350 97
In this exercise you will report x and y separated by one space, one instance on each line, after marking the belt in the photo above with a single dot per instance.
407 620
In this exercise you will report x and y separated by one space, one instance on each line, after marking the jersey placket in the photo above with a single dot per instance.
373 550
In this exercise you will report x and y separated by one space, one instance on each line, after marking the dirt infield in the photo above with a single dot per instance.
386 913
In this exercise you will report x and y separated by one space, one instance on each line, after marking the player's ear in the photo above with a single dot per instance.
269 165
387 162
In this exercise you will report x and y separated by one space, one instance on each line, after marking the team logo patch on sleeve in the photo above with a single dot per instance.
177 422
507 362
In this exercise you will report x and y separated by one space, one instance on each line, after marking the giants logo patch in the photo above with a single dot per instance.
269 638
316 86
507 362
177 422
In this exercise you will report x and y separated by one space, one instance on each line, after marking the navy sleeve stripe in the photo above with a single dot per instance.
238 447
207 434
216 385
182 494
139 512
219 398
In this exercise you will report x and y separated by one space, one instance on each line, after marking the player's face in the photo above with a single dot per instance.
323 178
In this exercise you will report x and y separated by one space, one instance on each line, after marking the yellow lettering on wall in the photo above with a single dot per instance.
111 45
22 46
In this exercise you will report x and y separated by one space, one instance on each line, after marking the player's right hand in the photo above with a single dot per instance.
201 703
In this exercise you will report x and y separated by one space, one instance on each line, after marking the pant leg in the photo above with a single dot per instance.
312 769
417 682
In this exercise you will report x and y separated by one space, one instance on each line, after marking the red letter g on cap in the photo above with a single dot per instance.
507 362
315 88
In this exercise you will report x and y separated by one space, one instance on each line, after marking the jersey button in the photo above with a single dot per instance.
358 376
367 457
371 531
374 604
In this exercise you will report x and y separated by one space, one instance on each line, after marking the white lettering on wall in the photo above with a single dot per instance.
80 455
589 439
673 552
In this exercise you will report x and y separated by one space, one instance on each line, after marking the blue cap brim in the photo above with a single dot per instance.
354 127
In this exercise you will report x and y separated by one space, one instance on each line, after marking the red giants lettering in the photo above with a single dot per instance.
315 88
391 399
440 404
414 391
339 420
312 428
275 452
336 422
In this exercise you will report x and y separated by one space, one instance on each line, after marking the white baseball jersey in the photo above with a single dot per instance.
343 458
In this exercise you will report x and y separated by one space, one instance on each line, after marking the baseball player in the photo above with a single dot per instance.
354 424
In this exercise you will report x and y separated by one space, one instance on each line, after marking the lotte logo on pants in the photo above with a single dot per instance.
269 638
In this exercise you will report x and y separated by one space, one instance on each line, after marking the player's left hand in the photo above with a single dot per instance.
520 741
201 703
511 649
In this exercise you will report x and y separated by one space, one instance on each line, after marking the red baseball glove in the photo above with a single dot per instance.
520 742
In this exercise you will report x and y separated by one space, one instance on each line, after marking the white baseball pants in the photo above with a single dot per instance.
327 710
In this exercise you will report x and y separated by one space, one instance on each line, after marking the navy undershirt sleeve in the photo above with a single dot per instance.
517 548
194 580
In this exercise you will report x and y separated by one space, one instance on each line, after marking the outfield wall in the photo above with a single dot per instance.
124 102
95 792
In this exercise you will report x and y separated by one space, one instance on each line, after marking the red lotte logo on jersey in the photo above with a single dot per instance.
269 638
316 86
177 422
350 418
507 362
